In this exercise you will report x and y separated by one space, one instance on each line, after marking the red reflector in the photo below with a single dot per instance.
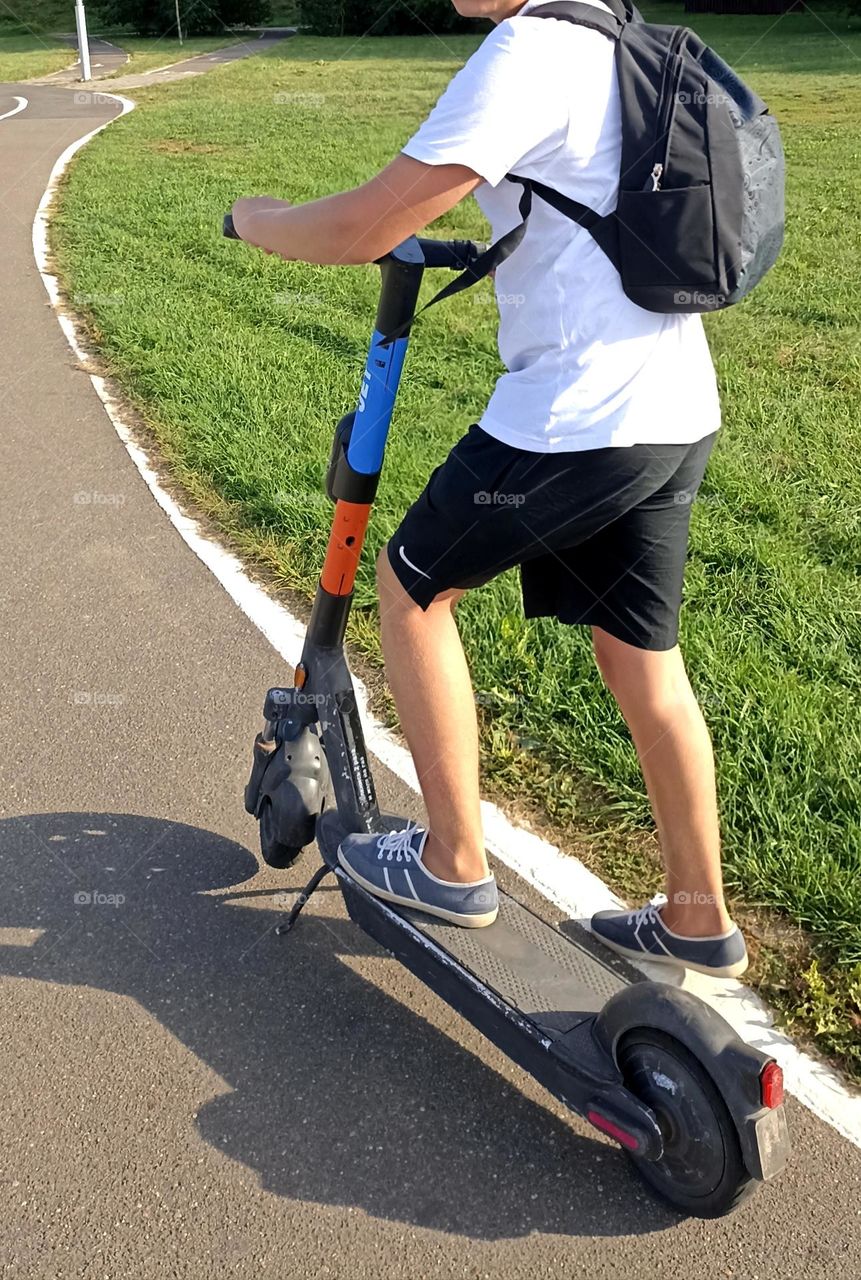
771 1085
601 1122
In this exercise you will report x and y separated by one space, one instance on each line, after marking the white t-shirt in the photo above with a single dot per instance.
586 367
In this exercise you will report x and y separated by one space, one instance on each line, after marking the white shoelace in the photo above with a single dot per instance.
397 845
650 913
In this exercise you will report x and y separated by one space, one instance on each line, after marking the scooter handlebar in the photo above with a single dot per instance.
454 255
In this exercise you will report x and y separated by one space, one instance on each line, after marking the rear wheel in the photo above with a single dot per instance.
701 1170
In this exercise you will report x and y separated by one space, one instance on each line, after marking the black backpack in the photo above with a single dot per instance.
699 218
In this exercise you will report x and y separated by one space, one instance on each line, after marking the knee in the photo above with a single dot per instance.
616 661
606 658
644 683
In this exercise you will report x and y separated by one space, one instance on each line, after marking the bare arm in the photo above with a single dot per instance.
359 225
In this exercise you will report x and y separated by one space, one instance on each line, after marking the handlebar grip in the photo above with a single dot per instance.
229 230
456 255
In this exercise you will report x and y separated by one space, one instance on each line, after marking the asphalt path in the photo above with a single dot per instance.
183 1093
105 58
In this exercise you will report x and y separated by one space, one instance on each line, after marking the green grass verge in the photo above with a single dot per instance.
28 47
26 54
243 363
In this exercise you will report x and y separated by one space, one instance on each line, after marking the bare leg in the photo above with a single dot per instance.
430 681
675 751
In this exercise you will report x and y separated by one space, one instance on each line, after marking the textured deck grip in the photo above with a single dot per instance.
529 964
554 980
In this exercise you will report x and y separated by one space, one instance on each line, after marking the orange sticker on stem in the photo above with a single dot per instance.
345 547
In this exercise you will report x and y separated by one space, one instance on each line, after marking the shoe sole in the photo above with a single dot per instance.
725 971
466 921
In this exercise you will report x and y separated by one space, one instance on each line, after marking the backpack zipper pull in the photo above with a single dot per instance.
655 176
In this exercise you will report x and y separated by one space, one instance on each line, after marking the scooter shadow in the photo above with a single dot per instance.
340 1094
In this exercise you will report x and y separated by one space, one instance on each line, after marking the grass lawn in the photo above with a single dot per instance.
26 54
27 44
243 364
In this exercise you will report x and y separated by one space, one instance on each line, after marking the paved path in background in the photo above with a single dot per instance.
254 43
184 1094
105 58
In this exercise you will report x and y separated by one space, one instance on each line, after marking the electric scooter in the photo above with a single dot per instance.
698 1112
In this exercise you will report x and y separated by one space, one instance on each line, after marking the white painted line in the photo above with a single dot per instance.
560 878
169 66
195 57
23 103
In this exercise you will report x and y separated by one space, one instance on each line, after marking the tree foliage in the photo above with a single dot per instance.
158 17
381 17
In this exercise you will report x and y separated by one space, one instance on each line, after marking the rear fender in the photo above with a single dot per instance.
735 1067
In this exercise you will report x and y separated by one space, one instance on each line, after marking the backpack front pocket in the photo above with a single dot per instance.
667 248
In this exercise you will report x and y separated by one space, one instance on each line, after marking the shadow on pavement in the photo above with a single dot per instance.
341 1095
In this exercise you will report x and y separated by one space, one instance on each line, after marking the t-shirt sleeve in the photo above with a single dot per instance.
504 108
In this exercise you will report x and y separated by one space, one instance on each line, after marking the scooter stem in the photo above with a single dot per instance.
353 476
287 781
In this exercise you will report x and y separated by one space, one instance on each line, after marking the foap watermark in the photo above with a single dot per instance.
93 898
684 898
693 298
93 498
482 498
700 99
710 698
301 698
311 101
484 699
296 298
501 299
98 299
685 497
286 501
96 698
85 98
494 700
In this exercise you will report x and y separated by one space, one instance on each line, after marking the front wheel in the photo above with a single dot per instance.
275 852
701 1171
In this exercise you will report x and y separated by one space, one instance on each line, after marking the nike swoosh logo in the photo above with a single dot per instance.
414 567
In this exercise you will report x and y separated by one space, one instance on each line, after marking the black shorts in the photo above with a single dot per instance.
600 536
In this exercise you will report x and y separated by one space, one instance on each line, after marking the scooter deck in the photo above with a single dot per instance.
554 981
532 966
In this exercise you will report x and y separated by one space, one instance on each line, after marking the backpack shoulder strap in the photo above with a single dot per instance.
481 267
586 15
602 229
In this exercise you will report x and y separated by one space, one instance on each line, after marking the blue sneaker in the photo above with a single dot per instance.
642 935
390 867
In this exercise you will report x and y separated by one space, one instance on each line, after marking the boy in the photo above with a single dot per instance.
601 426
